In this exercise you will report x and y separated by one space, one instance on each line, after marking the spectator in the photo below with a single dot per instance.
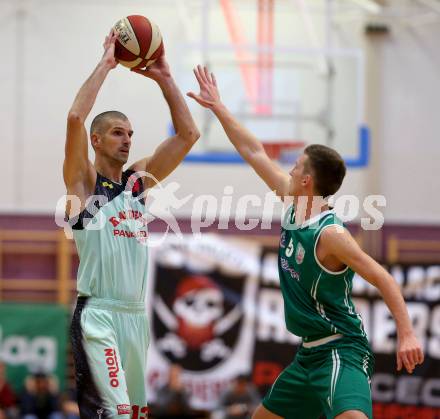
8 400
69 405
40 398
172 399
239 401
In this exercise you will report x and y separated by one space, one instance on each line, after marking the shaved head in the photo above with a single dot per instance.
100 122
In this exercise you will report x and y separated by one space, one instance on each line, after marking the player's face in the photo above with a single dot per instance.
297 176
116 141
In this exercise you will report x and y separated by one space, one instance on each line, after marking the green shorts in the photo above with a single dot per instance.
109 343
328 379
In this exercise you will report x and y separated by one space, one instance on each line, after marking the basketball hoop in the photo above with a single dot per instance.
275 149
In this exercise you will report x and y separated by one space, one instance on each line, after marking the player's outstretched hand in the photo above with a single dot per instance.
209 97
409 353
109 49
157 71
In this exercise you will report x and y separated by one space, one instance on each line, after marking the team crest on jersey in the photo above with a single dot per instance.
300 253
197 316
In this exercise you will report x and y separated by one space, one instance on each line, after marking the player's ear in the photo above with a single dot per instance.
95 139
306 180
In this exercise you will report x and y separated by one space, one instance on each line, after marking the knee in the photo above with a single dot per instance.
352 414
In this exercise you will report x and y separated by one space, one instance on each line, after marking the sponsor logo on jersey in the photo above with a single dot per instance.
127 215
285 266
127 218
283 240
107 185
124 409
130 234
300 253
112 366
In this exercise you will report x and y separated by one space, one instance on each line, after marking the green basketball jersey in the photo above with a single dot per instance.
317 302
111 239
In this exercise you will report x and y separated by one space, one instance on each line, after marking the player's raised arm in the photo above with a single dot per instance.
337 242
79 174
173 150
244 141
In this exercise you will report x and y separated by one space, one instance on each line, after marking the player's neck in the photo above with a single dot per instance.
111 170
307 207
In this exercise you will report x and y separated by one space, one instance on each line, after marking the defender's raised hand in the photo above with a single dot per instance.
209 96
109 49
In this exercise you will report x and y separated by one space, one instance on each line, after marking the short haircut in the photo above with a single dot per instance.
99 123
326 167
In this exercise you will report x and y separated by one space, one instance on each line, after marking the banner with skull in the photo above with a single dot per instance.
201 301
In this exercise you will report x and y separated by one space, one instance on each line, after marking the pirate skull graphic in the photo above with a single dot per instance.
198 304
197 318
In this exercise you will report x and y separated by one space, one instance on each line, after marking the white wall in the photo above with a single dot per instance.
62 43
408 133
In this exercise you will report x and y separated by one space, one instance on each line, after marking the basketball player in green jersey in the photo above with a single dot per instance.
317 260
109 328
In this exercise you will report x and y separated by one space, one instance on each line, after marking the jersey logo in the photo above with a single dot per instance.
283 240
123 409
300 253
285 266
107 185
111 360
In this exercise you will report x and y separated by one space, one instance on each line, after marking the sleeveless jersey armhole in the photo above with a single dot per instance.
316 245
77 222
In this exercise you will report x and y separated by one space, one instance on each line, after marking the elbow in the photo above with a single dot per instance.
74 118
192 136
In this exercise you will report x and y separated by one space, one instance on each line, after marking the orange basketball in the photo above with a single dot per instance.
139 42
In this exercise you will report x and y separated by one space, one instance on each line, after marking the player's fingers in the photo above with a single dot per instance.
406 362
202 73
420 356
412 358
214 80
207 75
399 362
198 77
415 356
198 99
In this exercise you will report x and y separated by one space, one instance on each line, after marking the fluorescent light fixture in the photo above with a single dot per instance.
369 5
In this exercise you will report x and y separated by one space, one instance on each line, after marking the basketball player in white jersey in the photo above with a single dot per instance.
109 329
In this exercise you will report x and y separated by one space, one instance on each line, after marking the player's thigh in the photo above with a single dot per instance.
262 413
343 385
105 364
291 397
133 338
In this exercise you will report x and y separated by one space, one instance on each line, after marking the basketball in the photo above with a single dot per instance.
139 42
